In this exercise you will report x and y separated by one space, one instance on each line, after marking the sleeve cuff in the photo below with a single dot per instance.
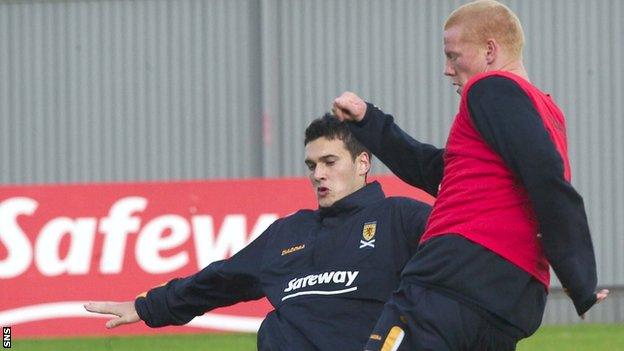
370 110
584 305
153 310
141 308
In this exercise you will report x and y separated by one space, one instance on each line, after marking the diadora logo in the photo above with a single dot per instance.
368 233
333 277
293 249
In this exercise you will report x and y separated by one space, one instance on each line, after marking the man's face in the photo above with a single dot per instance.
464 59
332 171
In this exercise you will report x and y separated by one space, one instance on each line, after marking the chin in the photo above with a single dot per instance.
325 203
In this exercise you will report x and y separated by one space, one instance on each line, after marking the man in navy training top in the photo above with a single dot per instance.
327 273
505 208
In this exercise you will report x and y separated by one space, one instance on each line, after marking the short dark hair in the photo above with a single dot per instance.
331 128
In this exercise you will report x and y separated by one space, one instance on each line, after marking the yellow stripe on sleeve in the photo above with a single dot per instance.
394 339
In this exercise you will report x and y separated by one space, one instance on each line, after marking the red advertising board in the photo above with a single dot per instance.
64 245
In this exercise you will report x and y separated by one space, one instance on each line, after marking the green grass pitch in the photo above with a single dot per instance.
567 338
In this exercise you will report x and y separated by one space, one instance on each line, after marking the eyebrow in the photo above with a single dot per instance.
322 158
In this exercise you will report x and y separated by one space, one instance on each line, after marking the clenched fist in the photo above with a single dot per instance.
349 107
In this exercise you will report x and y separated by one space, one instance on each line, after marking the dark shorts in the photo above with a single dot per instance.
418 318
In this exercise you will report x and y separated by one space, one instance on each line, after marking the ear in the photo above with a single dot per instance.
363 163
492 50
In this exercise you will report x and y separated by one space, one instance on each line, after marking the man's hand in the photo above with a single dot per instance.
349 107
125 312
601 295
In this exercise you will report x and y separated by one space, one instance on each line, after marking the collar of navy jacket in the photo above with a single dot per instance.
362 197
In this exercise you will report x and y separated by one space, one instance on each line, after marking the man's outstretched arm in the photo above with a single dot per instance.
222 283
416 163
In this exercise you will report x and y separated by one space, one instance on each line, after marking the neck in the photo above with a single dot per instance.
515 67
359 186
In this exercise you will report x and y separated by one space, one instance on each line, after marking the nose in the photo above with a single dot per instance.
449 71
319 172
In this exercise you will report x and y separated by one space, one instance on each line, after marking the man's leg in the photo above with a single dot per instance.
418 318
390 331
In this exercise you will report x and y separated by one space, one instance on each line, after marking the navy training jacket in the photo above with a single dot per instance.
327 273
